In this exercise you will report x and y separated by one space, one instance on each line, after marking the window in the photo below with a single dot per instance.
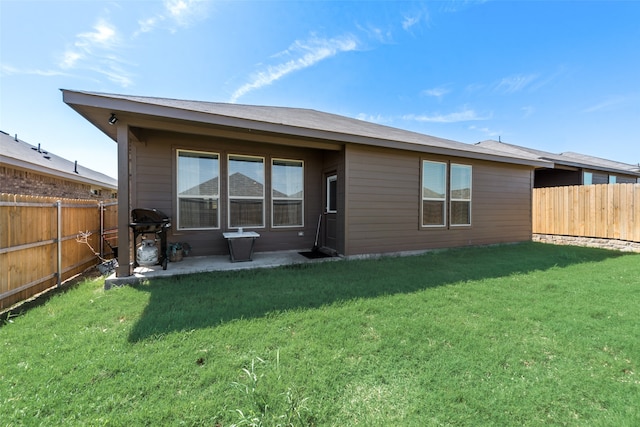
587 178
434 191
612 179
198 190
460 194
438 193
332 194
287 192
600 178
246 191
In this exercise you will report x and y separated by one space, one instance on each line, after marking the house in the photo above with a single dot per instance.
215 167
34 171
571 168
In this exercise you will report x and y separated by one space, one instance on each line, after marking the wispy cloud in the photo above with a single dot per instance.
415 18
464 115
378 118
528 111
8 70
437 92
516 83
96 51
486 131
454 6
379 34
608 104
174 14
302 54
410 21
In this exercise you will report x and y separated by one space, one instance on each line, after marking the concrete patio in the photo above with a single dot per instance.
201 264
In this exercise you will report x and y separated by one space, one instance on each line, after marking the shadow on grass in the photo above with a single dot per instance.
211 299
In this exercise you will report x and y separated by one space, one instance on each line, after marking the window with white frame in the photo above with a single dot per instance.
460 194
446 194
434 193
246 191
287 193
198 182
332 194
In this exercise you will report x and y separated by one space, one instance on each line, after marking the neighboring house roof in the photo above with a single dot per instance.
240 183
567 159
296 122
17 153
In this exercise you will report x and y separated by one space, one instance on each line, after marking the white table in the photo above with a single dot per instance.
234 236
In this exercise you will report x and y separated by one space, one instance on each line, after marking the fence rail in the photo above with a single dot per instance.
38 247
609 211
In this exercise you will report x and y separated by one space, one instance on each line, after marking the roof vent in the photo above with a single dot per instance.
75 167
39 149
15 138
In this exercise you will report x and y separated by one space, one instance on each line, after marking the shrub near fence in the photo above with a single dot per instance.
38 247
606 211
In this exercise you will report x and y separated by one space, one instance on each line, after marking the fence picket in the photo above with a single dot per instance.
610 211
29 243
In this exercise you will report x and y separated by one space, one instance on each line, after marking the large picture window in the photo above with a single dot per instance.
246 191
198 192
460 194
287 192
434 193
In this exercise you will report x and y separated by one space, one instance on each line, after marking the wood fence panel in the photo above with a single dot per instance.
636 213
32 258
608 211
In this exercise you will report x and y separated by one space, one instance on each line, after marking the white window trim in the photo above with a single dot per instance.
331 178
451 199
229 197
443 199
275 159
178 197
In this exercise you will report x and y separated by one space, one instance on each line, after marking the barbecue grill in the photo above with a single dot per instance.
150 221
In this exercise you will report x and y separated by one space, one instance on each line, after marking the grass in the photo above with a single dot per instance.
525 334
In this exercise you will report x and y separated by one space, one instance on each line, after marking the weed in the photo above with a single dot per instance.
271 400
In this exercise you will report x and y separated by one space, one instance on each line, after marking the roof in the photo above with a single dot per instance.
18 153
304 124
567 159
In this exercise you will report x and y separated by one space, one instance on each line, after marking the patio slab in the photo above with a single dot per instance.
201 264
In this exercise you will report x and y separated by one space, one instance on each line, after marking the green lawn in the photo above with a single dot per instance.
527 334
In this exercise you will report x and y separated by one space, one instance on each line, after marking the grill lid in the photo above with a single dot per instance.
149 216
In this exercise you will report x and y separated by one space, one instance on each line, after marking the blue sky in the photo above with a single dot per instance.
552 75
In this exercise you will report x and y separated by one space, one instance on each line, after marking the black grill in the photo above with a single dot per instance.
150 221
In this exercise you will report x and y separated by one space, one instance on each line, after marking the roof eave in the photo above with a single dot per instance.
79 100
54 172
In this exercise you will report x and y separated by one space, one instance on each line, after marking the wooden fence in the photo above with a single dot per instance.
38 242
609 211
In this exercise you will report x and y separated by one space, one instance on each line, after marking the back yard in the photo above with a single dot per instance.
524 334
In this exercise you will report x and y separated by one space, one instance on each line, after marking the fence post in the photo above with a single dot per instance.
59 241
101 207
